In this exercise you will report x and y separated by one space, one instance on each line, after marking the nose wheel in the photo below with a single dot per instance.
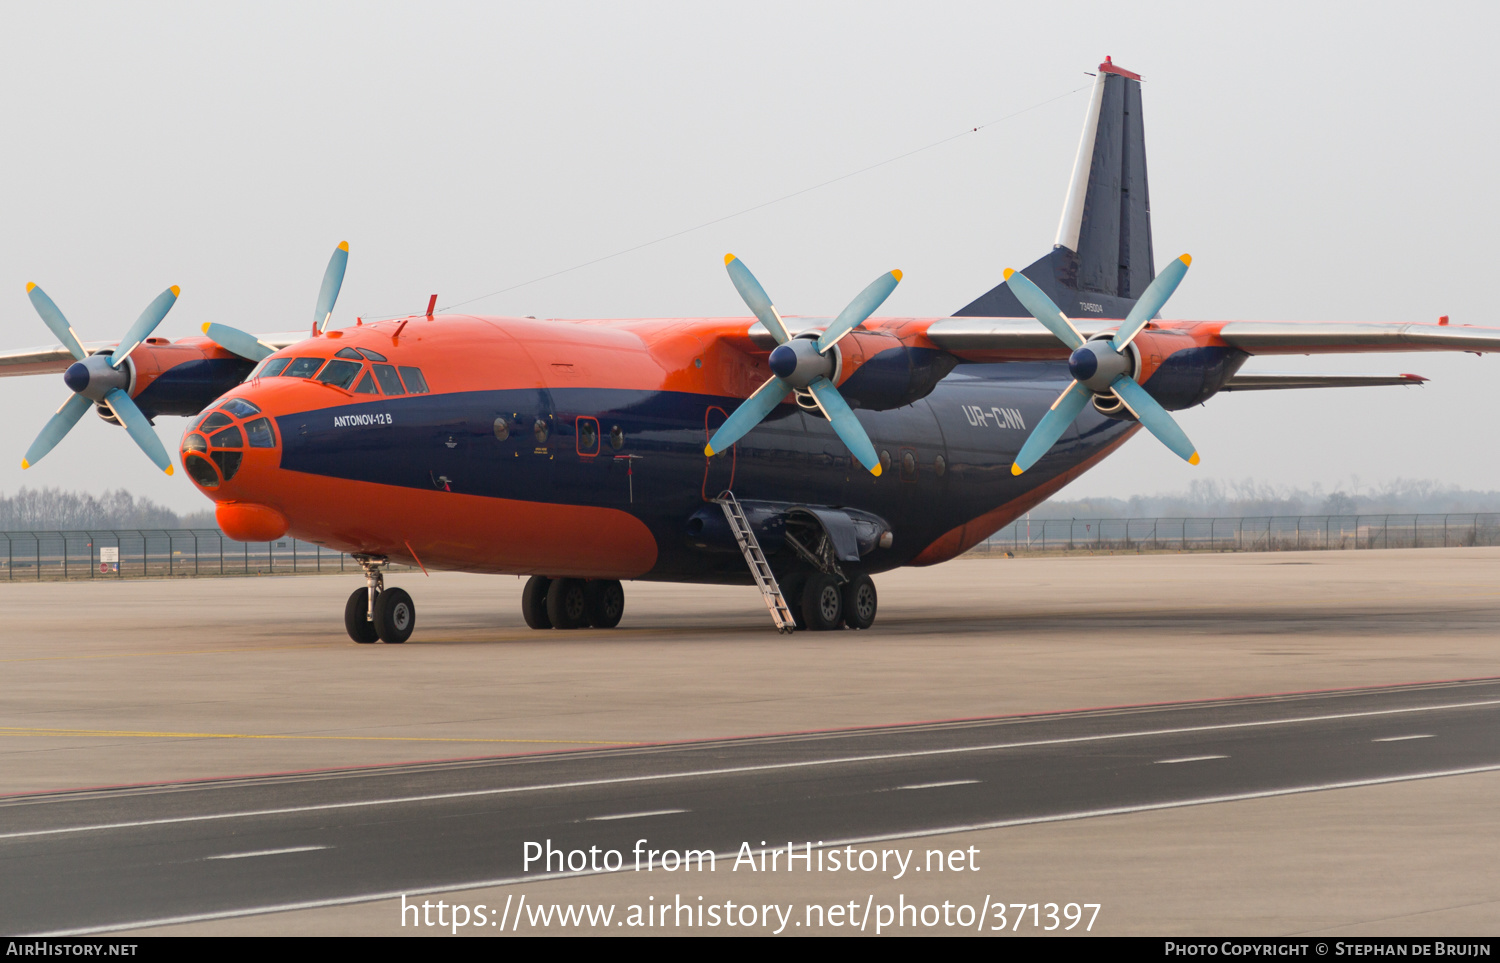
377 613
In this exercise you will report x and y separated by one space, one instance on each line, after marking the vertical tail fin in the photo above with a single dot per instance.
1102 259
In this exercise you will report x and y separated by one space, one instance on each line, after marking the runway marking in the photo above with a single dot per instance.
653 812
764 767
269 852
1168 762
939 785
147 734
828 844
1401 738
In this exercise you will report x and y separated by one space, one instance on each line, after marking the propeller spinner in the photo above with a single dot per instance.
803 364
1101 367
100 379
252 348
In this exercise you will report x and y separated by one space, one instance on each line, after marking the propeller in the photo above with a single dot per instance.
252 348
803 364
100 379
1101 367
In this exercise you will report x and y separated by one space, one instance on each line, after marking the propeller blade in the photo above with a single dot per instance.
845 425
247 346
863 305
751 412
145 324
1043 308
328 295
140 429
1050 428
1155 418
59 425
1151 301
755 296
55 321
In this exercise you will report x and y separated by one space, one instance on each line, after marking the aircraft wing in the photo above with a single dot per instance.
1267 380
55 359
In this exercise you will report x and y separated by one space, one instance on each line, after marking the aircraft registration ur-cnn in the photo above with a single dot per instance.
798 454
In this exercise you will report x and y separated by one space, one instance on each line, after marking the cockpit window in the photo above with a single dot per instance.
240 407
215 420
304 367
371 355
340 374
366 385
228 438
273 367
390 382
347 353
260 433
415 383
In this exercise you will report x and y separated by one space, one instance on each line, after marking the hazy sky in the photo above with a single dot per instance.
1319 161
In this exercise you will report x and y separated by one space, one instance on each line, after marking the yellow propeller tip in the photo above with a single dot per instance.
30 286
1193 460
176 291
205 326
1008 273
896 275
1186 259
727 259
170 469
876 471
344 246
25 464
708 450
1016 469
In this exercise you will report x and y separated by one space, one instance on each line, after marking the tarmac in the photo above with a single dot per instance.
167 680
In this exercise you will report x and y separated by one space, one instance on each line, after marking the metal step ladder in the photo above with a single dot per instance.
760 569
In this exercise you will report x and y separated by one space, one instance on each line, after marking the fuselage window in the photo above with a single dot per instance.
390 382
304 367
274 367
347 353
240 407
228 438
371 355
366 385
340 374
588 436
260 433
415 383
616 437
215 420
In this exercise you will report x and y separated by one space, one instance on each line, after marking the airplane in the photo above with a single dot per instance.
799 454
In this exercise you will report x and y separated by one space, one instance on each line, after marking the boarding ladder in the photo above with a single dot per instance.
760 569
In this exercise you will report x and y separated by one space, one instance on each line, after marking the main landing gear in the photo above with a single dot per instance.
572 603
821 602
376 613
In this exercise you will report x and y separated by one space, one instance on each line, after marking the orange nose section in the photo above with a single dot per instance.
249 522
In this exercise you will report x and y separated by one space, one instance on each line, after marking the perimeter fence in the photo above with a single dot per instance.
138 553
1277 533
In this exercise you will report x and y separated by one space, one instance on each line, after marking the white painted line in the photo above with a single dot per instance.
828 844
653 812
939 785
737 770
268 852
1401 738
1168 762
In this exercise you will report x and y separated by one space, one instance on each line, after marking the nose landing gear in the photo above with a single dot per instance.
375 612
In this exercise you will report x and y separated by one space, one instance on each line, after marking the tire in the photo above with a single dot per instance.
605 603
395 616
356 618
534 602
860 602
822 603
567 606
791 590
